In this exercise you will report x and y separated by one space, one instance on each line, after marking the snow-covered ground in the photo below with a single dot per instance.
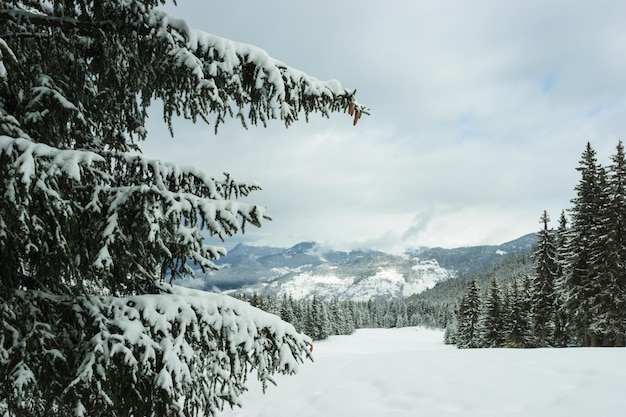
410 372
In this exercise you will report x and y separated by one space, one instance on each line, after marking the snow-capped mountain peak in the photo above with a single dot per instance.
308 268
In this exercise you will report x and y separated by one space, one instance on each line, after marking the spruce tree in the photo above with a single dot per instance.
601 288
450 334
543 305
492 318
318 321
468 319
580 269
91 230
402 319
286 310
562 256
526 301
517 326
346 318
616 317
375 314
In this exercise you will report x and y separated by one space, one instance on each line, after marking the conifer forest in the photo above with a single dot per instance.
576 293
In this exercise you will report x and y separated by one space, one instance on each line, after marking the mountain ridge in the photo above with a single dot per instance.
307 269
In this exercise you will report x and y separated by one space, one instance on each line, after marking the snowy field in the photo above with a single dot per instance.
410 372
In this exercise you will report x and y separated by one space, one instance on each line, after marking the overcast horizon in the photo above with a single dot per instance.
480 112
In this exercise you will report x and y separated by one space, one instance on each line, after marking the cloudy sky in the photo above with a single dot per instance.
480 111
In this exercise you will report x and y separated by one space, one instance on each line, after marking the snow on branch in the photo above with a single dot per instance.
135 213
5 53
136 53
189 351
225 72
167 175
36 204
27 154
175 204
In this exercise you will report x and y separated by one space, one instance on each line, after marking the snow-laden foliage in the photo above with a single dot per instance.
72 215
184 351
92 69
79 77
90 228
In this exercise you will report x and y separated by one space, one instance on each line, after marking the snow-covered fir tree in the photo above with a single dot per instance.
91 230
450 333
562 247
340 313
543 303
492 323
318 324
287 312
601 288
526 300
615 318
579 274
468 319
517 317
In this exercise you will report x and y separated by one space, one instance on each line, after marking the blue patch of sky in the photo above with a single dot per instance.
596 110
610 106
465 126
548 82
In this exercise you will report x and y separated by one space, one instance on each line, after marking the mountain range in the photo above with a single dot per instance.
308 268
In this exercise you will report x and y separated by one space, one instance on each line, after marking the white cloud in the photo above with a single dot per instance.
480 112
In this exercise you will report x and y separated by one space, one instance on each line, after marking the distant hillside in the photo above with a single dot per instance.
468 259
306 269
518 265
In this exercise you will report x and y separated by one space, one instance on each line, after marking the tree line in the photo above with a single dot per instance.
319 318
576 295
